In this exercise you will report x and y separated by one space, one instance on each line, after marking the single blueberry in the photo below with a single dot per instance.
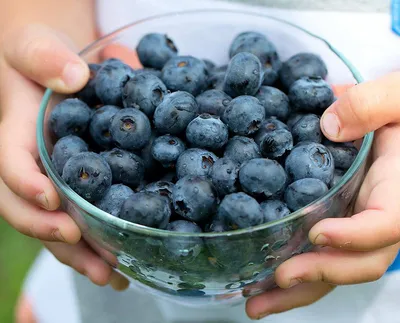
126 167
88 93
337 176
275 102
166 149
175 112
216 81
274 210
239 149
307 128
154 50
224 176
65 148
114 199
99 127
150 164
262 177
310 161
147 208
343 154
144 92
195 162
110 80
89 175
293 118
148 70
276 143
239 211
244 115
213 102
244 75
303 192
300 65
185 73
162 188
207 131
310 95
194 198
70 117
130 129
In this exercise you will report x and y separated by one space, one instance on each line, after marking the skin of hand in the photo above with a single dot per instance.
359 248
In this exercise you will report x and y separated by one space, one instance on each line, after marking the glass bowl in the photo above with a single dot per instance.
219 268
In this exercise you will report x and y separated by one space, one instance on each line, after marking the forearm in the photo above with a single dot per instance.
75 18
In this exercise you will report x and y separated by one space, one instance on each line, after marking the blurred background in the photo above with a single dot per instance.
17 253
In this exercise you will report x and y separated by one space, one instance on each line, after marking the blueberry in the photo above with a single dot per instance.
99 127
70 117
195 162
162 188
88 93
175 112
110 80
150 163
209 64
307 128
224 176
262 177
275 102
343 154
337 176
304 191
207 131
274 144
166 149
239 149
300 65
126 167
183 249
213 102
293 118
310 161
244 115
148 70
154 50
194 198
88 174
64 149
274 210
185 73
130 129
144 92
271 124
243 76
310 95
216 81
147 208
239 211
114 199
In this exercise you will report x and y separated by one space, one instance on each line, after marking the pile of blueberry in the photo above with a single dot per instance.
186 146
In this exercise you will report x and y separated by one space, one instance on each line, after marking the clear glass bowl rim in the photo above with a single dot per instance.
95 212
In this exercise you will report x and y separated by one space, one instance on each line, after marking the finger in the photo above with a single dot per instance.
337 267
36 222
282 300
127 55
339 89
38 52
363 108
377 224
118 282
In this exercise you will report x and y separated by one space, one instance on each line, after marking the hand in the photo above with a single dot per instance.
30 58
360 248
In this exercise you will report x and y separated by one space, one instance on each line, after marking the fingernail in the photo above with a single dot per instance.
263 315
72 74
42 200
330 124
321 240
294 282
58 236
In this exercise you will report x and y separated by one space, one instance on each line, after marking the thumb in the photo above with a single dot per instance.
363 108
38 53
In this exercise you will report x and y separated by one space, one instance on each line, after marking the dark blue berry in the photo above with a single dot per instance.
175 112
213 102
166 149
343 154
275 143
337 176
274 210
114 199
307 128
154 50
64 149
162 188
70 117
244 115
88 93
195 162
239 149
275 102
148 70
130 129
207 131
150 163
293 118
147 208
89 175
224 176
216 81
303 192
99 127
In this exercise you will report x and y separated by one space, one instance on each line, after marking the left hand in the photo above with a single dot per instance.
360 248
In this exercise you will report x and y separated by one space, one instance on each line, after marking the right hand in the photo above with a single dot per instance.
32 58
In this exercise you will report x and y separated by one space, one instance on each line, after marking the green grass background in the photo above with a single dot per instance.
17 253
